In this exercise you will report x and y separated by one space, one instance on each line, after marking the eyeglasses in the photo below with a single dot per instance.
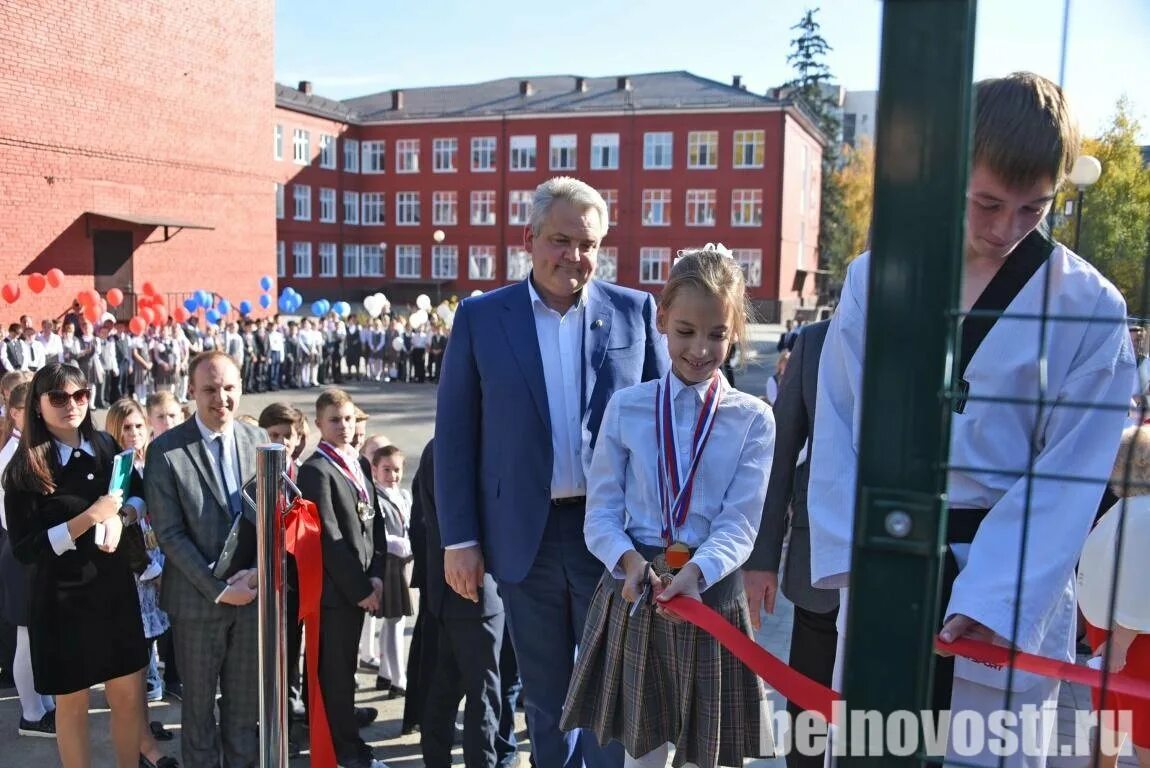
58 398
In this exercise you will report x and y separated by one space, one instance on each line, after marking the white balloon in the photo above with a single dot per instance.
373 304
423 301
417 319
444 313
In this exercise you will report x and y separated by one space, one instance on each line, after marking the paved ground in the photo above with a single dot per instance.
405 413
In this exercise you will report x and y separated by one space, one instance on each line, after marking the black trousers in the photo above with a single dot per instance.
419 364
297 701
338 661
467 665
420 663
813 641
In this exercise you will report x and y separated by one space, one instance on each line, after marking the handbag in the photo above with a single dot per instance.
133 548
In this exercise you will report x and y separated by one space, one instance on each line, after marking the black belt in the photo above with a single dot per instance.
569 501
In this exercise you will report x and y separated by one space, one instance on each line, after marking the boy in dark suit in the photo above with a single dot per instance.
339 482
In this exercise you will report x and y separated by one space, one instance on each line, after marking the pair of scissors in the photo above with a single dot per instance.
642 595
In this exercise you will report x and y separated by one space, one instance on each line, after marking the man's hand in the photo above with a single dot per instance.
370 603
463 571
249 577
960 626
761 588
239 592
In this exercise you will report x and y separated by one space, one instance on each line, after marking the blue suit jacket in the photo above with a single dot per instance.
492 427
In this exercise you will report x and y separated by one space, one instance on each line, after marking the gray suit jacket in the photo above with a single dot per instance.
794 425
190 515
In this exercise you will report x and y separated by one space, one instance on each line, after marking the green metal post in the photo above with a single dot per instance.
921 161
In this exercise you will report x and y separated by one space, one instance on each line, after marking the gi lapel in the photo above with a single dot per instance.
596 336
519 324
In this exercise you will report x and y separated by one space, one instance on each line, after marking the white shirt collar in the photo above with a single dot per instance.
537 300
208 434
700 389
66 452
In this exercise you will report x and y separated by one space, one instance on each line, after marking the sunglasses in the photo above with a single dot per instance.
59 398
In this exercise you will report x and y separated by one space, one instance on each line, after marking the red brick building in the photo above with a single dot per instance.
134 147
365 185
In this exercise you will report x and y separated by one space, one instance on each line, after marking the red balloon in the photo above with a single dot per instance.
149 315
54 277
85 298
137 325
92 313
161 314
36 282
180 314
10 292
149 289
115 297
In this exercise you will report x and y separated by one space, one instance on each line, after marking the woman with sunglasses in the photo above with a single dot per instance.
84 615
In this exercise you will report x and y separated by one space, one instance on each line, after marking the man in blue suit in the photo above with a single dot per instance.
528 371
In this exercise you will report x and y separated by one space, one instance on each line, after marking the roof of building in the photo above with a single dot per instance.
550 94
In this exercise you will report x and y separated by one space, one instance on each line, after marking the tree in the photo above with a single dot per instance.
1115 234
856 180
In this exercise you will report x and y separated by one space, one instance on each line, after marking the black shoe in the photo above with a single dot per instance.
382 684
299 738
396 692
365 716
409 729
174 690
159 732
45 727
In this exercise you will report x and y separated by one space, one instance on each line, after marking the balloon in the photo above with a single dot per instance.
265 301
180 314
191 305
245 308
84 297
54 276
417 319
266 283
149 315
445 313
92 313
36 282
213 316
423 302
161 313
115 297
137 325
342 308
285 304
204 298
149 289
224 306
10 292
319 308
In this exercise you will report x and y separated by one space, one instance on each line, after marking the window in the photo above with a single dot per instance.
350 207
604 151
281 259
327 151
444 155
370 261
563 147
519 209
518 263
444 208
373 209
279 200
301 254
350 260
481 262
301 147
302 195
656 207
850 120
327 257
654 263
327 205
279 145
750 260
657 150
374 155
749 147
407 208
351 156
703 149
444 262
483 153
607 268
407 156
746 208
611 198
700 207
523 153
483 208
407 258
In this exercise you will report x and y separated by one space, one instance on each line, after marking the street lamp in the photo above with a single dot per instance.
1085 172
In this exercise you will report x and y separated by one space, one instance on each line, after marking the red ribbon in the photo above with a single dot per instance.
302 540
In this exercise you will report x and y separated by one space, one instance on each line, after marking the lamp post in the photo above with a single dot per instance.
1085 172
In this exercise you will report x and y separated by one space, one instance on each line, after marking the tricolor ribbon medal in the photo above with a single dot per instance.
675 485
363 506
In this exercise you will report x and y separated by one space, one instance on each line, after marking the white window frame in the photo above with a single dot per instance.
444 155
445 208
745 204
483 202
407 156
301 146
278 147
607 264
327 205
522 154
301 255
407 256
660 259
444 262
519 207
702 205
658 150
518 263
281 259
483 148
564 151
327 151
604 151
351 260
328 259
374 203
301 197
371 261
350 156
481 262
750 260
350 207
374 154
749 138
660 200
407 213
611 198
279 200
702 150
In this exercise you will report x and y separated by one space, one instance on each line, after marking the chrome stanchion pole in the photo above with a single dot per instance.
270 464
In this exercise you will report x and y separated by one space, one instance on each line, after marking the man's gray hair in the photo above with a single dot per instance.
579 193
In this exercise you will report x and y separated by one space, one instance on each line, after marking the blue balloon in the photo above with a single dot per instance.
205 299
191 304
286 304
342 308
296 303
266 283
213 316
317 308
224 306
245 307
265 301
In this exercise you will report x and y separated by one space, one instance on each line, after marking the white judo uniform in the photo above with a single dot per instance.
1088 376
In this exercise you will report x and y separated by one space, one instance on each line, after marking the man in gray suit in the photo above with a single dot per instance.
193 481
813 634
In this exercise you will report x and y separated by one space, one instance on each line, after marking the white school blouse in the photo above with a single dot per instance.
730 485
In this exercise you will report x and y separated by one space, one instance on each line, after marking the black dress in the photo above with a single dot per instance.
84 621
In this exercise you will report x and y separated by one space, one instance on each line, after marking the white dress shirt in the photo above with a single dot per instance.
52 344
730 483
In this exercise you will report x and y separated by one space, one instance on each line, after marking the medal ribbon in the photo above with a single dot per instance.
329 452
675 490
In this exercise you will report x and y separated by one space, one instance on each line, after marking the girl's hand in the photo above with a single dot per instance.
106 506
685 584
113 528
638 573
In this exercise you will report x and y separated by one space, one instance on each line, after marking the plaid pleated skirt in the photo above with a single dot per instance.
645 680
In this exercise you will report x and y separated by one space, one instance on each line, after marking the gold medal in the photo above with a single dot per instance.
366 511
677 555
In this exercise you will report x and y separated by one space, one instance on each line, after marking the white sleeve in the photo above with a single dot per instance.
60 539
605 524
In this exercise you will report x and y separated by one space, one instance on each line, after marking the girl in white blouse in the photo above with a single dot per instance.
674 498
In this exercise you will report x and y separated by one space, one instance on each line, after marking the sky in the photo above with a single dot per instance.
357 47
